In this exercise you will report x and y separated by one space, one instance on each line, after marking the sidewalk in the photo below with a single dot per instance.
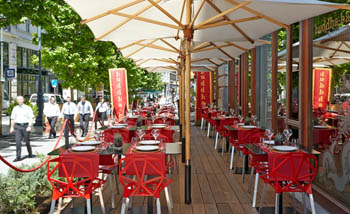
40 145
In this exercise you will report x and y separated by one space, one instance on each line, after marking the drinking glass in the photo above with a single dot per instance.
232 111
164 120
287 133
269 133
155 133
140 133
254 119
240 118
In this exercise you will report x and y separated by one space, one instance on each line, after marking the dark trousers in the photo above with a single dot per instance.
102 117
66 129
84 123
52 122
22 134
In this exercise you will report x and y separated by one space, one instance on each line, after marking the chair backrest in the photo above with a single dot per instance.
255 137
169 121
131 121
293 172
149 175
76 177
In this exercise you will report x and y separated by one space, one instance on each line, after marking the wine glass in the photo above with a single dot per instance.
287 133
155 133
164 119
269 133
254 119
232 111
240 118
140 132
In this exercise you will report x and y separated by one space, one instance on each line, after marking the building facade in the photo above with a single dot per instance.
18 54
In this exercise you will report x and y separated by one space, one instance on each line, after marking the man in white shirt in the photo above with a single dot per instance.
22 120
101 108
69 111
52 112
85 111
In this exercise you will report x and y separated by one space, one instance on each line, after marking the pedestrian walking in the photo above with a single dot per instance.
22 120
69 111
102 109
52 112
109 113
85 111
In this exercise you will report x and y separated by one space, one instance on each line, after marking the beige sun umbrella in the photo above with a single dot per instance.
199 21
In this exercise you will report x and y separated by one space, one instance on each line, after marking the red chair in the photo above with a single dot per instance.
291 172
131 121
212 122
77 177
148 179
169 121
222 131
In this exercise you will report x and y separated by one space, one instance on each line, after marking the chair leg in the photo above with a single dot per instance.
115 173
216 140
262 199
256 185
168 200
202 123
277 204
131 197
103 208
232 156
294 201
88 206
222 146
60 202
158 206
52 209
208 130
110 179
243 168
125 203
312 203
250 179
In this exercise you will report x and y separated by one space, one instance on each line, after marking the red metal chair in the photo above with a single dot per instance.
148 179
212 122
169 121
77 177
204 115
222 131
291 172
131 121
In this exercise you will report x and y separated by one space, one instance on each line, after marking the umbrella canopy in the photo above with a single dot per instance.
236 20
328 50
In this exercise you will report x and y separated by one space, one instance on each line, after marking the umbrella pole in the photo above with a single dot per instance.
182 94
188 33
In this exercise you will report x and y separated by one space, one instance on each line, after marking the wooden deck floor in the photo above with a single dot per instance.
215 189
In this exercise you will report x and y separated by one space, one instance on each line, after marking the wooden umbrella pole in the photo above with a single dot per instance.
183 109
188 34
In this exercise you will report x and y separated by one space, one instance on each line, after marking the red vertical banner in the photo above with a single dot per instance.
119 90
204 89
322 78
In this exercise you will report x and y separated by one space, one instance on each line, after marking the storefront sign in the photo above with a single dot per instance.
10 73
321 87
204 88
331 23
119 90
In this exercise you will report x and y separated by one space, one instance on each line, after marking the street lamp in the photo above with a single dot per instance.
39 101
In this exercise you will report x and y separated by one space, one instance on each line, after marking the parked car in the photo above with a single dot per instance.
5 102
46 98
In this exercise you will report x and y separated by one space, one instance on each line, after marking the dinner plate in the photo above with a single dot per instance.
159 125
321 127
90 143
240 124
82 148
285 148
249 127
147 148
270 142
119 126
228 117
149 142
135 116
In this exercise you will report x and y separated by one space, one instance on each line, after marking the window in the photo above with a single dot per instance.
19 57
6 53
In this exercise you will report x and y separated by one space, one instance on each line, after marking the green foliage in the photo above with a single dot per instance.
34 107
70 50
20 190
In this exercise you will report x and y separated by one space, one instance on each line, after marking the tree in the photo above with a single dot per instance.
70 51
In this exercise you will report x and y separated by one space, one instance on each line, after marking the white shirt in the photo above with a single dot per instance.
69 109
85 108
102 107
51 110
22 114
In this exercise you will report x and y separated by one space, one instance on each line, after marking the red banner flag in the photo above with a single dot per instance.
119 90
204 88
321 87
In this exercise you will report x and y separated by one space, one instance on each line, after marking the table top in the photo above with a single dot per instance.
255 149
101 150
